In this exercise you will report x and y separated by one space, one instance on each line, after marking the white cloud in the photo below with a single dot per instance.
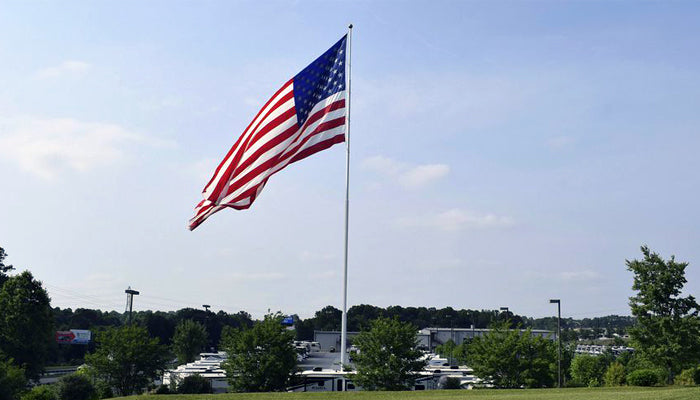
66 68
408 176
455 220
47 147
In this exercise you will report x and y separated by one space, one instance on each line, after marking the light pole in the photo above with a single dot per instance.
130 300
558 302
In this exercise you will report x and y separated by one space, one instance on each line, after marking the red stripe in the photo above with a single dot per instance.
268 146
340 138
282 118
221 183
238 182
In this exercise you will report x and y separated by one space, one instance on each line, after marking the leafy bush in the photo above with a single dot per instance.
194 384
644 377
587 370
75 387
40 393
696 376
12 380
685 378
614 375
162 389
451 382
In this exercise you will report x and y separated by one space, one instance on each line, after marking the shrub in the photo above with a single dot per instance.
614 375
644 377
696 376
12 380
104 390
451 382
587 370
685 378
162 389
75 387
194 384
40 393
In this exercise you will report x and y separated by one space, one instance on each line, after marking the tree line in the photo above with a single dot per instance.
666 334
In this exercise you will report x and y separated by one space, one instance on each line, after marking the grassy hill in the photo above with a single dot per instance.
621 393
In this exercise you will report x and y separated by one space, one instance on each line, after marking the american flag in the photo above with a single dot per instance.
305 116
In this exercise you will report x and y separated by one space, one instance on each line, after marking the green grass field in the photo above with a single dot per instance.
626 393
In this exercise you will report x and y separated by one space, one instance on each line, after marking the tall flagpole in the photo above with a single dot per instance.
344 324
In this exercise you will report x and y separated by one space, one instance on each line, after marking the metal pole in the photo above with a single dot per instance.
558 301
130 300
559 342
344 323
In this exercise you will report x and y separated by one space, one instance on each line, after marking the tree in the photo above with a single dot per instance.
511 358
190 337
327 319
12 380
4 269
262 358
75 387
587 370
614 375
26 323
667 331
127 358
194 384
388 357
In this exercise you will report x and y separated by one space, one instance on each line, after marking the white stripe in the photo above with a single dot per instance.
285 147
227 162
325 135
339 113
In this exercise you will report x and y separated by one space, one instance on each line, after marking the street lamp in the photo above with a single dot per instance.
558 302
130 300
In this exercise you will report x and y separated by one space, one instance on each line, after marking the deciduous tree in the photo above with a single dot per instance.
262 358
127 358
26 323
389 358
511 358
668 329
189 340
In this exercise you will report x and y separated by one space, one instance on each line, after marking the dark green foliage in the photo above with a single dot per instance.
696 376
668 329
644 377
162 389
127 359
43 392
686 377
587 370
614 375
262 358
450 383
12 380
513 359
4 269
189 340
389 358
194 384
75 387
26 323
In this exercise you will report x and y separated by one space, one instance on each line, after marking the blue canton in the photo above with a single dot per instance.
322 78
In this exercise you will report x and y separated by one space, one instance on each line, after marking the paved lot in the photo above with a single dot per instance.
321 359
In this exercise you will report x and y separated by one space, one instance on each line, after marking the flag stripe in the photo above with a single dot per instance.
306 115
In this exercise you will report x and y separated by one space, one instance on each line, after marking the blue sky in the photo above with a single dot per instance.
503 153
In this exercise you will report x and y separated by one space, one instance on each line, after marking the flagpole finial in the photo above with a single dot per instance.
350 26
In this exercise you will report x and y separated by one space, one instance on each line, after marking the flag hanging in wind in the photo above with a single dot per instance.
305 116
